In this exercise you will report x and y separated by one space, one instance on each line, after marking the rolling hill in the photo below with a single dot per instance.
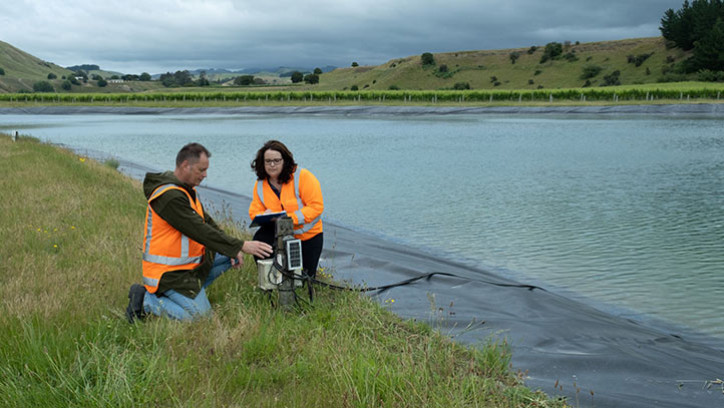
629 61
496 69
22 69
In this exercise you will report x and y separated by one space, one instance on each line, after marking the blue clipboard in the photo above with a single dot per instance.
265 218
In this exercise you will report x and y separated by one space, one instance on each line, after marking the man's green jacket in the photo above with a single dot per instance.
174 207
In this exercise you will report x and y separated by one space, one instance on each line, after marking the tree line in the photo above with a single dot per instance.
698 26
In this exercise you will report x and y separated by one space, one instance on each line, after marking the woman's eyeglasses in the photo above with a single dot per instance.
273 162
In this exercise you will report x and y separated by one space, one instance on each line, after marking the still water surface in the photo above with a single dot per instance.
626 211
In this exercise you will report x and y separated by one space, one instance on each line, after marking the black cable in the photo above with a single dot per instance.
427 276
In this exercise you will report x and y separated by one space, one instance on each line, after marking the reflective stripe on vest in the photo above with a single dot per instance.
303 225
166 248
184 257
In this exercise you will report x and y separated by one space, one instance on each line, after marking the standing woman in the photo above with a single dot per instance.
284 186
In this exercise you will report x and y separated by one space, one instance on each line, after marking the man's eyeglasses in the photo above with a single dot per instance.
274 162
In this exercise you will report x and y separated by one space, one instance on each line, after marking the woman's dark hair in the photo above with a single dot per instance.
289 165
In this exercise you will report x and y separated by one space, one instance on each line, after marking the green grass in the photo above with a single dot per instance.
71 233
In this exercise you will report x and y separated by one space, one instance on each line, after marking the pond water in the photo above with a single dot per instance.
625 211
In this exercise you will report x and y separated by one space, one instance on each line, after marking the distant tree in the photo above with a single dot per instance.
96 77
612 79
179 78
317 71
52 76
311 79
532 49
461 85
691 23
442 68
2 71
709 51
130 77
297 77
43 86
427 59
590 71
117 77
73 80
244 80
259 81
102 82
81 73
145 77
66 85
355 64
203 81
514 57
354 88
551 51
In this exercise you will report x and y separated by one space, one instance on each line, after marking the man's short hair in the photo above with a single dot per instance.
191 152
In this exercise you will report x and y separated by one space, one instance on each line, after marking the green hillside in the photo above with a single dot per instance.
495 70
22 70
637 61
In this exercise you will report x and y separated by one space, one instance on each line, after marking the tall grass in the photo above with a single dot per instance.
71 233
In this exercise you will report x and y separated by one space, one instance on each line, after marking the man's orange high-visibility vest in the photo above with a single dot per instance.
164 247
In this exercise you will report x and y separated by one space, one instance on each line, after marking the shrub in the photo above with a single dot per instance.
43 86
299 77
551 51
355 64
532 49
317 71
612 79
427 59
637 60
311 79
461 85
531 82
102 82
570 57
442 68
706 75
52 76
354 88
66 85
393 88
590 71
245 80
112 163
2 71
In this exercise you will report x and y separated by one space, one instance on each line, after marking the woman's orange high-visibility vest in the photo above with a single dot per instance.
164 247
301 198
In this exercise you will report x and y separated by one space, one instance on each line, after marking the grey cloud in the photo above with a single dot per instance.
169 34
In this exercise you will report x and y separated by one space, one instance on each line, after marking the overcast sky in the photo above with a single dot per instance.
155 36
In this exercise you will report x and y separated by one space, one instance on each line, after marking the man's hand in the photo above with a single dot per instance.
257 248
238 261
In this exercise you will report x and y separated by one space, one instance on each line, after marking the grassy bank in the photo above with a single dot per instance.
71 233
